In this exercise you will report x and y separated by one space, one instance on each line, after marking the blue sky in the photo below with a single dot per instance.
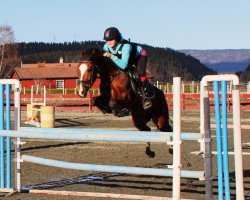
177 24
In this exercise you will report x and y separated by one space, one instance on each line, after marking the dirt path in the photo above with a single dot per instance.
37 176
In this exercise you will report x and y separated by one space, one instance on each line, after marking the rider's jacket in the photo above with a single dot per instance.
124 53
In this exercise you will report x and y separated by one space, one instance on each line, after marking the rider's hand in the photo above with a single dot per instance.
107 54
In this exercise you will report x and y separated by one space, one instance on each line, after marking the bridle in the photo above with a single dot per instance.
94 72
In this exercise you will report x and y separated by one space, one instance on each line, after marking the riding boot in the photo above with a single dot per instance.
147 104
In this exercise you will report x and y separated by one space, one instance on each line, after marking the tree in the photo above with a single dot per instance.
9 57
245 75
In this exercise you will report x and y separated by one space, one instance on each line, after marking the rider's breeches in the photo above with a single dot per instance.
142 64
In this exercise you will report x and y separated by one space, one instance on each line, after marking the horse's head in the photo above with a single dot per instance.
87 73
88 70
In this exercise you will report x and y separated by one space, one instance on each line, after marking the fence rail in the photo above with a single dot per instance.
188 101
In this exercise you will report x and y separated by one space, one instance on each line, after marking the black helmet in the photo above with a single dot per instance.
112 33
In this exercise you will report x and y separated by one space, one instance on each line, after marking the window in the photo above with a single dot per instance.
77 82
60 84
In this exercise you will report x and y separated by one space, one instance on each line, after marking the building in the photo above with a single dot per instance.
51 75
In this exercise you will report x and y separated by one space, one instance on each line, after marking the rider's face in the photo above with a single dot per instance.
111 43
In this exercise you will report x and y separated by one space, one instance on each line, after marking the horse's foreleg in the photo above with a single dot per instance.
149 152
102 103
141 125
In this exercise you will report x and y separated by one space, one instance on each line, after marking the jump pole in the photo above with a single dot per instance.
206 141
236 125
177 138
6 179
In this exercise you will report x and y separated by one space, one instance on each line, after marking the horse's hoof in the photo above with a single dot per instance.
150 154
188 165
171 151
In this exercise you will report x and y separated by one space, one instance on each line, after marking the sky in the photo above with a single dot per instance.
176 24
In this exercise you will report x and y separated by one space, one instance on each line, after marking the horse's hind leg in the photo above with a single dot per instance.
162 124
141 125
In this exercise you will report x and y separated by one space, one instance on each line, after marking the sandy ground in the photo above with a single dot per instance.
43 177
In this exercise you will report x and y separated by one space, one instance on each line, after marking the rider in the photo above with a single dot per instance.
124 53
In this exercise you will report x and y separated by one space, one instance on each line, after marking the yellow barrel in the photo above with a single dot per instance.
47 116
34 114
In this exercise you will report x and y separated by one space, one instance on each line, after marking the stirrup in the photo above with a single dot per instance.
147 89
147 104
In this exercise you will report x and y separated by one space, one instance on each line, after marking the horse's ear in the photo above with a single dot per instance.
96 51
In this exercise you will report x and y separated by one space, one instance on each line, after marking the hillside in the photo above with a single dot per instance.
245 75
228 60
163 63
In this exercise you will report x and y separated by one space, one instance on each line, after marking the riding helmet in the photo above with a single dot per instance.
111 34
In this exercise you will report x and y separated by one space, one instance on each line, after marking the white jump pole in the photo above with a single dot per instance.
237 143
176 138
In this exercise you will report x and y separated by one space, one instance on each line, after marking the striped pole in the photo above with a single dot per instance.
8 140
5 163
218 140
225 139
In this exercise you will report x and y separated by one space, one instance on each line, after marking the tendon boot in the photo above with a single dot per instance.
147 104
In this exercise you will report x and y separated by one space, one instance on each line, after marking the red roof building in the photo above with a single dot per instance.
51 75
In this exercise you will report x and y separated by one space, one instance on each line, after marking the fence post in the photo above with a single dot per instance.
248 87
90 99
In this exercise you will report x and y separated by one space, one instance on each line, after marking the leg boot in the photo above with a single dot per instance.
147 104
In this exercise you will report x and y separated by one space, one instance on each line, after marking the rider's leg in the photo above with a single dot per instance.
141 67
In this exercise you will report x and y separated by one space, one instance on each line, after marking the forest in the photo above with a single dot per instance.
163 63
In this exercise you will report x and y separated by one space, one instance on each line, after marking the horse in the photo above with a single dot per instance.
122 100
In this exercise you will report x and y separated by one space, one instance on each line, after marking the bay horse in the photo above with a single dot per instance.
122 100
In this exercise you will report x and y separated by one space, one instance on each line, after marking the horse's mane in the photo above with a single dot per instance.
90 53
96 56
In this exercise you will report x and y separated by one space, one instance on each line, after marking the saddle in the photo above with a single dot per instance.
136 84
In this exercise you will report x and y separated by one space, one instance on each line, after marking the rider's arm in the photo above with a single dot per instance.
126 51
123 62
105 48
